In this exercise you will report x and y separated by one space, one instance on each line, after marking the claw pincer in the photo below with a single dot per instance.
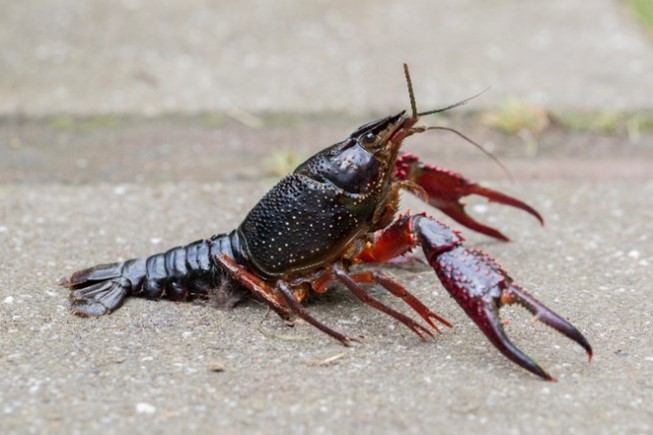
481 288
445 188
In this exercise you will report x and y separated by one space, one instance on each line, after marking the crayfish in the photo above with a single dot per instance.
338 209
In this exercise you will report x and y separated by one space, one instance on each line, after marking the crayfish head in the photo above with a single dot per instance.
365 160
382 138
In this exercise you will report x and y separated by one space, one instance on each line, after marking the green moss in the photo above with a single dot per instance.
102 121
213 120
62 123
282 161
515 116
70 123
643 10
606 122
645 121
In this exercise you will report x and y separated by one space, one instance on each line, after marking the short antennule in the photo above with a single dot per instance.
411 94
413 105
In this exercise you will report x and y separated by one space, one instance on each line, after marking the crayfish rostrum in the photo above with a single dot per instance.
338 209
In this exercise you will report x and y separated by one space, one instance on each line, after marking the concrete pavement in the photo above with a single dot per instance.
166 367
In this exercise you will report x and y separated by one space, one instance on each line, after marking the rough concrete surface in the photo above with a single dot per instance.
82 190
167 367
151 366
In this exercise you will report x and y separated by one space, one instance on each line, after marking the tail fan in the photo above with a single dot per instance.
102 289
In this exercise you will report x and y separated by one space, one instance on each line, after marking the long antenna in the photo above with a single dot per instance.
477 145
413 105
415 115
459 103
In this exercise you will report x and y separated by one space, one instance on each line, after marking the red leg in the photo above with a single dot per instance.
298 309
473 279
358 291
253 283
445 188
398 290
392 241
272 296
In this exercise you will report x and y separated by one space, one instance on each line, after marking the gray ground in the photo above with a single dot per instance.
76 192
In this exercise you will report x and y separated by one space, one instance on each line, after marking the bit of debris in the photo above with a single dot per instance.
217 367
279 336
330 360
245 118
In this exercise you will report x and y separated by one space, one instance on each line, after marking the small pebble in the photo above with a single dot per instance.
217 367
633 254
145 408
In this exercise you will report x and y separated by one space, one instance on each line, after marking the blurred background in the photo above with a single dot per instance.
130 126
139 57
129 70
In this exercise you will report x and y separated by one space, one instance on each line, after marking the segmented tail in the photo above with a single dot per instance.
178 274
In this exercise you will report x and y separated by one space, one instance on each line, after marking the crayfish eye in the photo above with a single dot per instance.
369 138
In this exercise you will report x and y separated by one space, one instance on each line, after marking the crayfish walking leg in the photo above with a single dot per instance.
350 282
475 280
280 297
398 290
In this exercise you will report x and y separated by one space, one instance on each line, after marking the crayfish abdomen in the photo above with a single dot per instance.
180 273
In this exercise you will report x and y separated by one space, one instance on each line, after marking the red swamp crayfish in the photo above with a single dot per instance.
338 209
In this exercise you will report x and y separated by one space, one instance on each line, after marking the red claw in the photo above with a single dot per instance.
445 188
472 278
481 288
